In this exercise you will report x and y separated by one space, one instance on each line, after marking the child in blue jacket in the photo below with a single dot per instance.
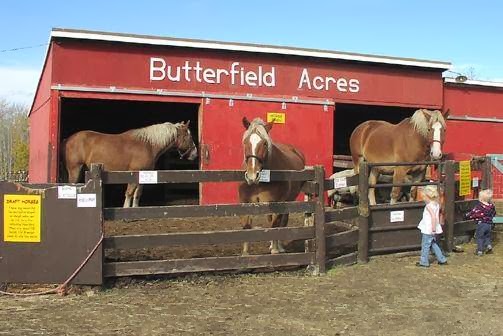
483 212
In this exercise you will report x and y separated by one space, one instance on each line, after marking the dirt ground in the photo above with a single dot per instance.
387 296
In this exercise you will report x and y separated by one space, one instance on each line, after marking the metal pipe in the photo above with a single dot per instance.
248 97
382 250
393 228
480 119
384 185
397 206
396 164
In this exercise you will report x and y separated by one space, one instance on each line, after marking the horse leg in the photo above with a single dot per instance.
130 190
73 172
276 221
246 223
419 177
373 180
398 177
137 195
283 223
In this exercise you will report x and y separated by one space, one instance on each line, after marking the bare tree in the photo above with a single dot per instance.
13 139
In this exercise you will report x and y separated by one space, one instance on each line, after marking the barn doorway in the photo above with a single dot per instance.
348 116
115 116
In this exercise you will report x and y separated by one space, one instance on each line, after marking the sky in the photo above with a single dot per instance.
466 33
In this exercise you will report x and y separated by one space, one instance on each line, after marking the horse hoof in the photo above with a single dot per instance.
275 251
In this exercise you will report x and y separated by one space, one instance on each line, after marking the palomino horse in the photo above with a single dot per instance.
136 149
260 152
414 139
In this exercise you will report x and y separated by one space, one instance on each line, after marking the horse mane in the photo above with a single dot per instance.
161 135
258 125
422 124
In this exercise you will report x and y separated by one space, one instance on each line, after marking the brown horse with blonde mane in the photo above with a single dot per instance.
414 139
260 152
136 149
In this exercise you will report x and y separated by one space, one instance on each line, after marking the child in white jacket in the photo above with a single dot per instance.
430 227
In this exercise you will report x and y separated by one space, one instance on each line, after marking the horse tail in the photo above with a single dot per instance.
356 145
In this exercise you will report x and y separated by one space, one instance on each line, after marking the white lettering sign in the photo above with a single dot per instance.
67 192
396 216
328 83
475 182
147 177
238 75
265 175
244 75
340 182
86 201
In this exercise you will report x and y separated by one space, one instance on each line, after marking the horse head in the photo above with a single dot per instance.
185 144
257 147
431 124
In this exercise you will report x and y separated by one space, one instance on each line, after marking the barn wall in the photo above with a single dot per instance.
104 64
308 127
39 121
467 138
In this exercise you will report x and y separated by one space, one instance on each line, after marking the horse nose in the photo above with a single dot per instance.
193 154
435 155
252 177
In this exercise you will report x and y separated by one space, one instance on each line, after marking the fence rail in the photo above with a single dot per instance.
207 238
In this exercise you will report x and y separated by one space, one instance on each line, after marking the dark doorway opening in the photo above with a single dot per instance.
116 116
349 116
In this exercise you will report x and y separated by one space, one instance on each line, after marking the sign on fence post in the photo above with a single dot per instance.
465 177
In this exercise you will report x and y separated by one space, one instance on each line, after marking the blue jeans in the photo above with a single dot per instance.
428 242
483 235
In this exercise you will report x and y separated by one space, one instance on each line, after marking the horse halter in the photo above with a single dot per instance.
187 151
251 156
182 155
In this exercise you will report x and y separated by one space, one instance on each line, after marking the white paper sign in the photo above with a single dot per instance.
265 175
340 182
147 177
396 216
67 192
475 182
86 201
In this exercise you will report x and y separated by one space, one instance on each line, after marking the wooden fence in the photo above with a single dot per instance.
313 207
333 236
377 233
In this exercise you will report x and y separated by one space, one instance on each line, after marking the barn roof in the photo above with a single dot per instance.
244 47
472 82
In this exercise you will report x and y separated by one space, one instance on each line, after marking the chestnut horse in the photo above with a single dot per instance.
414 139
136 149
260 152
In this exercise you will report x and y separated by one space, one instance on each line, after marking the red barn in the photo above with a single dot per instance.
112 82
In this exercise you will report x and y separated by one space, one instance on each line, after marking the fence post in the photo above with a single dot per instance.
450 196
319 221
94 176
487 177
363 210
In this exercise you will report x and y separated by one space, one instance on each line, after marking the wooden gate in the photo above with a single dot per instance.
47 233
386 228
315 255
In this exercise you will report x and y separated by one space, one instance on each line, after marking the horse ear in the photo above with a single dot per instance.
187 124
268 126
446 113
246 123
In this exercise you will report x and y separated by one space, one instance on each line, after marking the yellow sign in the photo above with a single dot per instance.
21 214
465 178
276 117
